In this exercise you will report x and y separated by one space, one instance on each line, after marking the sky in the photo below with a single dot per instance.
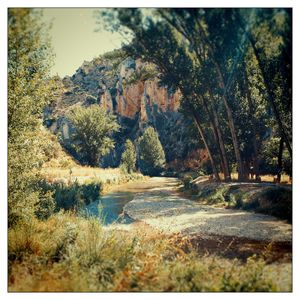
74 39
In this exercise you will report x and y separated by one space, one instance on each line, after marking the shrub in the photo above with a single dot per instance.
151 153
93 127
188 185
276 201
128 159
74 195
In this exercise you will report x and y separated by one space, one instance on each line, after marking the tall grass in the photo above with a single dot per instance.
70 253
80 173
74 188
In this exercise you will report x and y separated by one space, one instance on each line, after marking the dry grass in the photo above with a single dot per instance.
79 172
82 174
285 179
69 253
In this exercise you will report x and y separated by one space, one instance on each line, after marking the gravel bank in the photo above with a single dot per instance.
164 210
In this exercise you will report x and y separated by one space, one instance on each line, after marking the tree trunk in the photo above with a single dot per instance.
270 96
253 125
214 122
215 134
280 152
221 141
216 139
241 173
197 122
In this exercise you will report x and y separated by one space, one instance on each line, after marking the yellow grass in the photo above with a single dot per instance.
264 178
108 177
69 253
78 171
81 173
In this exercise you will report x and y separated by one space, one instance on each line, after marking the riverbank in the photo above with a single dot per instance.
77 187
166 210
68 252
260 197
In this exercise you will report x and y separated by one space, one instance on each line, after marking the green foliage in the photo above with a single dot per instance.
196 52
189 185
147 72
93 128
151 153
46 205
270 154
73 196
29 90
273 201
128 159
270 200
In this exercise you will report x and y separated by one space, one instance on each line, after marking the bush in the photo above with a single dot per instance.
74 196
188 184
151 153
128 159
93 127
45 206
275 201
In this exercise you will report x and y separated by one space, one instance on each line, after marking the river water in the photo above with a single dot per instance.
109 208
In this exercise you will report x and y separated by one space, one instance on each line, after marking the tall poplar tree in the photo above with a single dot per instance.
29 90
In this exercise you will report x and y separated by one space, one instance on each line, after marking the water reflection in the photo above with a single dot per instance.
109 208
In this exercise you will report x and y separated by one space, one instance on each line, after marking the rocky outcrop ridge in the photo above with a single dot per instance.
130 89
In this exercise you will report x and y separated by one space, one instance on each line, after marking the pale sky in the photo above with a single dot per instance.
74 38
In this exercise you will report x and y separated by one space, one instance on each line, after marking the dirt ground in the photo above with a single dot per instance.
223 232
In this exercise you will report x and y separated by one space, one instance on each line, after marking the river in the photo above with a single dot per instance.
109 207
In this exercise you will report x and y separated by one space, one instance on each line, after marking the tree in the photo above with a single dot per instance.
231 66
29 91
159 43
206 39
128 159
151 153
93 127
271 41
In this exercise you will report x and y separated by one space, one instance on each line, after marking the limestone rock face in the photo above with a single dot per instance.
128 89
129 99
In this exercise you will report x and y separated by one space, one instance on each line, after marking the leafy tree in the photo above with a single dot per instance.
233 68
151 153
158 44
29 90
93 127
271 42
128 159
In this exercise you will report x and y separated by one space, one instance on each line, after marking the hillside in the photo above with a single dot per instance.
130 89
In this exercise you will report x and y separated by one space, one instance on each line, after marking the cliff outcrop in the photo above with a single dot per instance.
131 90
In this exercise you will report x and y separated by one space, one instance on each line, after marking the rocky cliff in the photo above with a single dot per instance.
130 89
